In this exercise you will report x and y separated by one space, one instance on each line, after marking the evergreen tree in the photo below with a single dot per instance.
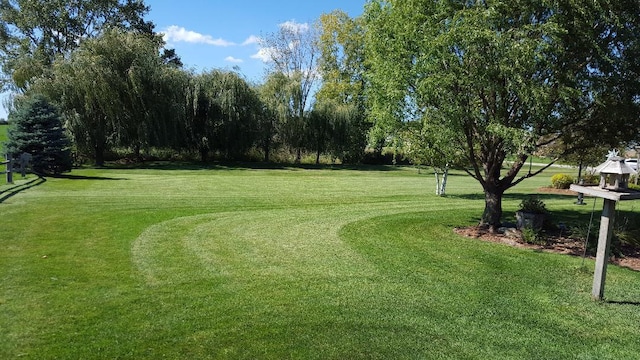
36 129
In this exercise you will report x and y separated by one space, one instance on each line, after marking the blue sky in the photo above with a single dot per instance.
221 34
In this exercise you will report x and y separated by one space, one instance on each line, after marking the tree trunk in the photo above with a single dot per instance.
445 175
204 152
298 156
492 208
441 186
137 151
99 154
266 148
580 171
318 157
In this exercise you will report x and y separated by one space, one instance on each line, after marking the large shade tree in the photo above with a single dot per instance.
341 95
34 32
114 90
504 78
223 114
291 54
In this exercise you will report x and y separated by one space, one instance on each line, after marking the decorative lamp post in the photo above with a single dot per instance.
613 187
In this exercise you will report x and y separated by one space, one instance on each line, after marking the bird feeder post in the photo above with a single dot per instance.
604 243
613 187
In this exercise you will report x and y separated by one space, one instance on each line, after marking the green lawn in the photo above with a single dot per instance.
238 263
3 138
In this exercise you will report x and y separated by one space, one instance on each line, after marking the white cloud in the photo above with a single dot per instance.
265 54
179 34
233 60
294 26
252 40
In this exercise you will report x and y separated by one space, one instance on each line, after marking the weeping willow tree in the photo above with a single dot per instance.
322 126
113 91
292 55
335 128
223 114
281 94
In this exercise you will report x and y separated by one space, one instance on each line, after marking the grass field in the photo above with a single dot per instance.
237 263
3 137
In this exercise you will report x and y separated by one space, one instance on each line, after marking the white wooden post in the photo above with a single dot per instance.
606 230
604 242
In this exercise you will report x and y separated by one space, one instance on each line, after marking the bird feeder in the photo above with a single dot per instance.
614 174
613 187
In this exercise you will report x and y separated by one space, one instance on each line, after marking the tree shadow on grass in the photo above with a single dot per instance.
246 165
15 190
623 302
82 177
517 196
565 217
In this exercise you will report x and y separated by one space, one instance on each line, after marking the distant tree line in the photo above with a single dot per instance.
117 88
116 91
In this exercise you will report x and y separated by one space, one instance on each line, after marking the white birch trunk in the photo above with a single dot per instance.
443 188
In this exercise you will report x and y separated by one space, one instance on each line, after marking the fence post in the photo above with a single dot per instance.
24 162
9 169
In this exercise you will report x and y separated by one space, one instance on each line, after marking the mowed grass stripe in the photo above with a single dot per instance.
259 243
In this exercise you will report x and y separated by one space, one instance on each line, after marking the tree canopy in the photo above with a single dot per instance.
293 56
113 91
470 83
34 32
502 78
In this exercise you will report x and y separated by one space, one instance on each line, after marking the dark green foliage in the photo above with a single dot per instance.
115 90
37 129
336 128
532 236
34 32
533 204
506 78
222 114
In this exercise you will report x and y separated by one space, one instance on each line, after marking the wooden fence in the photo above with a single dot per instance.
15 165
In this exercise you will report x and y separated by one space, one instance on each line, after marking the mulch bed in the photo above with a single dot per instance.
555 243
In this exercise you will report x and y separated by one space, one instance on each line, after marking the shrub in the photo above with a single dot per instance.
532 204
591 179
531 236
561 181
